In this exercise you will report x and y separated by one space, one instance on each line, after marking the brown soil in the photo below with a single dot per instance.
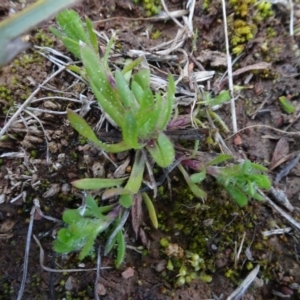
31 176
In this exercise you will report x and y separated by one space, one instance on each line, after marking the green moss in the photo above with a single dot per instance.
244 21
151 7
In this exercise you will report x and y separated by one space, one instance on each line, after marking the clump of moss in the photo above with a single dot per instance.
152 7
243 24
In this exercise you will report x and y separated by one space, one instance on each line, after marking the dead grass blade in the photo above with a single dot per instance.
240 291
36 205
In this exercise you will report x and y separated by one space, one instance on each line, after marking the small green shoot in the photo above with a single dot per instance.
287 105
83 226
242 181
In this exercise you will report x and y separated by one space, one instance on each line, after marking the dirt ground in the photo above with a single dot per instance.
214 230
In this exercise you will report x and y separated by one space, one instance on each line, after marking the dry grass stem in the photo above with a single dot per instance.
229 69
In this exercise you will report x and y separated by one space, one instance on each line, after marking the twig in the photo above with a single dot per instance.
240 291
170 15
229 68
269 127
281 211
236 259
36 205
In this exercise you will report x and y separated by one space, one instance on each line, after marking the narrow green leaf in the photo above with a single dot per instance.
287 105
112 106
246 167
137 91
92 35
130 65
107 51
71 25
88 246
80 125
96 183
162 151
121 249
223 97
127 97
151 210
198 177
130 131
126 200
71 45
258 197
112 242
167 105
219 159
92 208
237 195
198 192
106 94
142 77
262 181
135 179
259 167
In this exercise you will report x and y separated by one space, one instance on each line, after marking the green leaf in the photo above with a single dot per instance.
142 77
198 177
80 125
262 181
162 151
135 179
258 197
127 97
91 34
219 159
107 51
71 216
137 91
287 105
192 186
237 195
88 246
96 183
121 249
71 25
126 200
106 94
130 65
71 45
167 105
259 167
246 167
112 241
130 131
223 97
151 210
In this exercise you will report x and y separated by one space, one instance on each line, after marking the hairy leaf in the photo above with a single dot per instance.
151 210
96 183
162 151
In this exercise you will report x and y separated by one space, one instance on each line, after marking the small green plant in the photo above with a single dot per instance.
83 226
128 102
241 181
142 116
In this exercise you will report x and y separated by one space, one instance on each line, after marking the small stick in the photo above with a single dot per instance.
229 68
